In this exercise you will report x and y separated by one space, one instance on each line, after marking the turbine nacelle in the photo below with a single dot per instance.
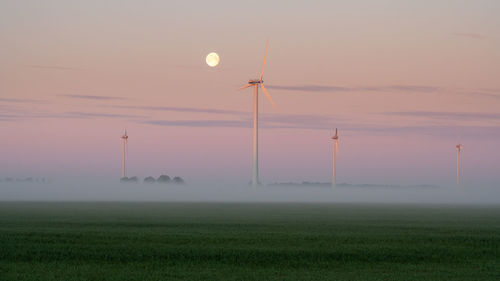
336 137
255 81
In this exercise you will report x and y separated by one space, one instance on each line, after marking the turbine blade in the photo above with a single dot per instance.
246 86
337 146
264 63
269 97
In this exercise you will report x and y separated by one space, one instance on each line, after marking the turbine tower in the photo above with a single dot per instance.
256 83
335 139
125 148
459 167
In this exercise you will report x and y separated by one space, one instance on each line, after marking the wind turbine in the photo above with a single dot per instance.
459 167
256 83
335 139
125 148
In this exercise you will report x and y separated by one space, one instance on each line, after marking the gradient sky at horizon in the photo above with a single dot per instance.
402 80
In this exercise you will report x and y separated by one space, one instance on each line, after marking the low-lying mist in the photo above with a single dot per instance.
93 190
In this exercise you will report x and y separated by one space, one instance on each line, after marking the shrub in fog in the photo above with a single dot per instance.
127 180
178 180
149 180
163 179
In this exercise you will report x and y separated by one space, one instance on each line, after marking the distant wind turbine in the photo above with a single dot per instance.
125 148
459 167
256 83
335 139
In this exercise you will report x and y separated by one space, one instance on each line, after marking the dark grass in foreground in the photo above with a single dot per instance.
196 241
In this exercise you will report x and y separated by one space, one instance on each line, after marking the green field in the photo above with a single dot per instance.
210 241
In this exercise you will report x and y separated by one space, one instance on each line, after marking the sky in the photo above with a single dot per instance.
404 81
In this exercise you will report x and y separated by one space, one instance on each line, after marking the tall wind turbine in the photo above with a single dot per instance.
256 83
125 147
459 167
335 139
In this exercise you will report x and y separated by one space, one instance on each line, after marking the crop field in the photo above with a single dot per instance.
223 241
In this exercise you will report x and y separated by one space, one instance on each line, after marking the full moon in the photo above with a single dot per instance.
213 59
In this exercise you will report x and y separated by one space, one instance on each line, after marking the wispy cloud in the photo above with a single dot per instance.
431 130
185 109
7 117
91 97
283 121
329 88
484 94
469 35
496 90
20 116
241 119
199 123
310 88
300 121
448 115
19 100
357 128
97 115
55 67
409 88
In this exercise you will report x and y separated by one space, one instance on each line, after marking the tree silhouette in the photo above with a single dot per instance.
178 180
163 179
149 180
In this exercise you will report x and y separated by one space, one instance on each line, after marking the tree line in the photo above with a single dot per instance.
164 179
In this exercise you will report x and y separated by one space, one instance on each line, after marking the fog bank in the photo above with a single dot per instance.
114 191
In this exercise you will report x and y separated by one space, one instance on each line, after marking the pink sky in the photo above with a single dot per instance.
402 81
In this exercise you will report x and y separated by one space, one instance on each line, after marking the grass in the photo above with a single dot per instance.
209 241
